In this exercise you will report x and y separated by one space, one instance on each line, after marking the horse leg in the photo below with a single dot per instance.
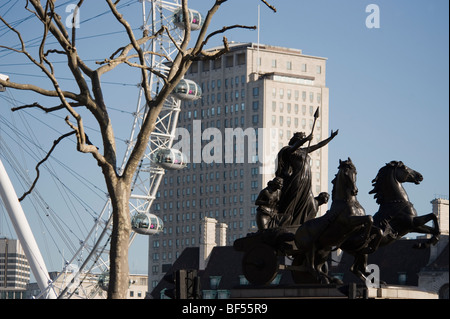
310 257
420 227
322 267
359 266
309 262
376 235
365 223
323 277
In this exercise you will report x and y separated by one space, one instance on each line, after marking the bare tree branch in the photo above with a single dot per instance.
225 29
150 69
175 43
45 109
54 51
74 18
145 81
58 92
39 90
77 67
113 61
44 36
55 143
82 144
198 47
22 44
269 5
57 29
206 56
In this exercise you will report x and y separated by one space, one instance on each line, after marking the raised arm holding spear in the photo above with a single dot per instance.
294 168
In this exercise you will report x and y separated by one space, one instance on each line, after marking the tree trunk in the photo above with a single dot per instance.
119 269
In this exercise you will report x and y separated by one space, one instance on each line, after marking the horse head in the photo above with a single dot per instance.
344 184
387 183
404 174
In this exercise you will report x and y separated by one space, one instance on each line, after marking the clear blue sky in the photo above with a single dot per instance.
388 85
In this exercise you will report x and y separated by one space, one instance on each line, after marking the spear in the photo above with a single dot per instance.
316 115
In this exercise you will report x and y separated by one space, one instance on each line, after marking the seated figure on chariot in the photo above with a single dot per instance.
267 201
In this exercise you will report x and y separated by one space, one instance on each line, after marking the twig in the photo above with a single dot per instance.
224 29
45 109
55 143
269 5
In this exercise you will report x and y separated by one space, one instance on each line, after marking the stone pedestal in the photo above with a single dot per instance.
400 292
350 291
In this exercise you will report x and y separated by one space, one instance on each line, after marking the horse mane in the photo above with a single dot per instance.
342 164
378 181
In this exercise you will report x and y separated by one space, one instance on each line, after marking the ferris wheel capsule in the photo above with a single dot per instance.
146 224
170 158
195 18
187 90
103 281
3 77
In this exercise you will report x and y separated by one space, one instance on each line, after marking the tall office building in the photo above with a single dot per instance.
14 267
254 99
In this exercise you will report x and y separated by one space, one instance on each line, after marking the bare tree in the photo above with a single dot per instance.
90 96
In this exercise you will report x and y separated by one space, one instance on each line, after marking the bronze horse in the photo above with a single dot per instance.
395 218
316 238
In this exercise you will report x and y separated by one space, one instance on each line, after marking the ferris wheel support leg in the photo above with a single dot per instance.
23 231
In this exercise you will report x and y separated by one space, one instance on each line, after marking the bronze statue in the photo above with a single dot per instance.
395 218
287 223
297 199
285 203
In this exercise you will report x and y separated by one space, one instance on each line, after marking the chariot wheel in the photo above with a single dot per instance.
260 264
